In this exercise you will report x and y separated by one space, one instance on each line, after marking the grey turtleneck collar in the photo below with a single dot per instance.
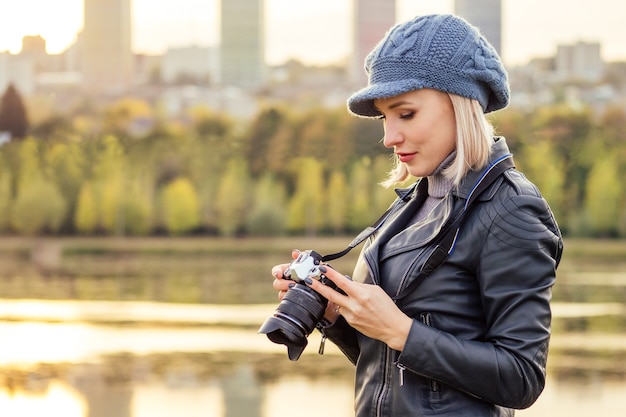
438 186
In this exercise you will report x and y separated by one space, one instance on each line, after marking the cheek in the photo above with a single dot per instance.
448 131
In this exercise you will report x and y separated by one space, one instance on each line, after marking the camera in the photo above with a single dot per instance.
301 308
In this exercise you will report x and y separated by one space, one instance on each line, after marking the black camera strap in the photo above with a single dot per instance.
446 245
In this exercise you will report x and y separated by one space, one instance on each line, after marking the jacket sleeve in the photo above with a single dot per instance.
515 270
344 336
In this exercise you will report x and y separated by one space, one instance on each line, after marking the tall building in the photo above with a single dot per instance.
372 19
242 49
105 47
196 64
486 15
581 61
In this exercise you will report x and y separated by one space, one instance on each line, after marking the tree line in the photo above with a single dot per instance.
126 171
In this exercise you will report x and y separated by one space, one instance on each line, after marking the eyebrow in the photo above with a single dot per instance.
394 105
398 104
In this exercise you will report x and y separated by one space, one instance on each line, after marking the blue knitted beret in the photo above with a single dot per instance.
442 52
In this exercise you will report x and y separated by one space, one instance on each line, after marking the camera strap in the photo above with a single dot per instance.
446 245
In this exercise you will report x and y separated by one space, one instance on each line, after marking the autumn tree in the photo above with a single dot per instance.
337 202
39 205
13 117
269 209
64 164
545 168
179 206
603 197
360 208
307 206
233 198
5 198
86 214
259 136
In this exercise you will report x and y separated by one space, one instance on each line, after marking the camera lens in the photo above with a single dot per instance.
294 319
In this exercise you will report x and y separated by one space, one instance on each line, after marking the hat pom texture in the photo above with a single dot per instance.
442 52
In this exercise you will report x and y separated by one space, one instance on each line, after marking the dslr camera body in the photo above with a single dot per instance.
301 308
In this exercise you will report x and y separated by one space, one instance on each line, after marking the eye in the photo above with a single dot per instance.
408 115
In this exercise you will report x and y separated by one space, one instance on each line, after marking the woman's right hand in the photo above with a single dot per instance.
282 284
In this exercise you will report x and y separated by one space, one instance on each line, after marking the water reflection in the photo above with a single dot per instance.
57 399
174 333
190 371
82 370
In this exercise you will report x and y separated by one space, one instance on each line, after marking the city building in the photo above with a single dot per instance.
242 46
372 19
486 15
19 71
581 61
106 60
190 64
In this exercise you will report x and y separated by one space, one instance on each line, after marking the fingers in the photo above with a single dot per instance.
332 295
280 283
344 282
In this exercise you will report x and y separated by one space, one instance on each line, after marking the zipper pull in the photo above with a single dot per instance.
322 344
401 369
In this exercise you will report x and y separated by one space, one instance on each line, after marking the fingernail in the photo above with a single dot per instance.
292 285
323 269
308 281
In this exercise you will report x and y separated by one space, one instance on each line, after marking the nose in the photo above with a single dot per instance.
393 135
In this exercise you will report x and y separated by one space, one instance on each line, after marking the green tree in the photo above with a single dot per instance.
6 199
382 197
337 208
603 200
28 164
86 214
179 206
545 168
55 127
281 147
13 116
137 207
109 172
570 131
259 136
39 207
64 165
361 214
232 198
307 206
367 135
269 207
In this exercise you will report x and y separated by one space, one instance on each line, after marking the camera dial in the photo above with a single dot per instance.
306 265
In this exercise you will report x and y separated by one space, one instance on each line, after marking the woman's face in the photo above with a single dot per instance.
420 127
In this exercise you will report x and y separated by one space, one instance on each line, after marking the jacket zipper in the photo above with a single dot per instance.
426 319
382 393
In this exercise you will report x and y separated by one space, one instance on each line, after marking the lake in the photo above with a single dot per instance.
168 327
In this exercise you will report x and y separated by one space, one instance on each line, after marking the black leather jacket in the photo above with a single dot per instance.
481 322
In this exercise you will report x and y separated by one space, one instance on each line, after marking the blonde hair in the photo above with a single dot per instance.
474 136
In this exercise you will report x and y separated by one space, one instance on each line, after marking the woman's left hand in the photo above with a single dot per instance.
367 308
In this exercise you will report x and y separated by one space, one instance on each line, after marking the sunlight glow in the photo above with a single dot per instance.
316 32
56 21
58 400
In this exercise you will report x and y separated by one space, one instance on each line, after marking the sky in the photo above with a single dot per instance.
319 32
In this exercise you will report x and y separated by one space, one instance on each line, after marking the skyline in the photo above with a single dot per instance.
293 28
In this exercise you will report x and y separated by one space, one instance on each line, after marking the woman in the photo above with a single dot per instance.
471 337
